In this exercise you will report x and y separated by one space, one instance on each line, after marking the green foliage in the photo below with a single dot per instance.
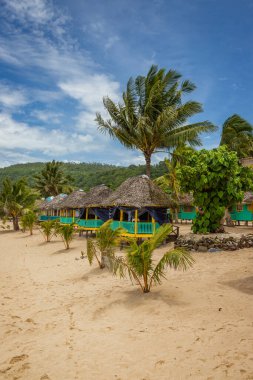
66 232
28 220
217 181
104 245
52 180
84 175
15 199
152 116
140 266
48 229
237 134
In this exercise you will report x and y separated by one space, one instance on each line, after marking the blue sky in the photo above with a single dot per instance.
59 58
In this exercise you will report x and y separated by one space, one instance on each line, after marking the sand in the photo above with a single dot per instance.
61 319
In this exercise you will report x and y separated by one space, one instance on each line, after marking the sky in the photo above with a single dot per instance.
59 58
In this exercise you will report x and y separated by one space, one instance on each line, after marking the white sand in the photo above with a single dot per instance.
61 319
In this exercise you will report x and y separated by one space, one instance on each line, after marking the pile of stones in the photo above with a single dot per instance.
214 242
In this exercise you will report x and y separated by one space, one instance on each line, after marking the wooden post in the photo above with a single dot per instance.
73 216
87 213
153 223
136 222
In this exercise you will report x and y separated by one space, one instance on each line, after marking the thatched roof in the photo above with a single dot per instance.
73 200
248 197
138 192
54 203
186 199
96 196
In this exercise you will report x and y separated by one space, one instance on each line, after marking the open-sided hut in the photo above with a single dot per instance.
186 209
93 215
69 208
137 205
49 207
243 212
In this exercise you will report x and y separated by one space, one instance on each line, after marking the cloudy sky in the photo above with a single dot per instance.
59 58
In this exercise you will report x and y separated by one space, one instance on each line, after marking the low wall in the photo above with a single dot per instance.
214 242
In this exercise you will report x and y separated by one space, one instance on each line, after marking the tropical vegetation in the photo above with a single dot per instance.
66 231
52 180
237 135
15 199
152 116
217 180
104 245
141 267
48 229
28 220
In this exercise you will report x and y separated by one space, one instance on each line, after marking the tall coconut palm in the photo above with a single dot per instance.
15 199
152 116
52 180
237 134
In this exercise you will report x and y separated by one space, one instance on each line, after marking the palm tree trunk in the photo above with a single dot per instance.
148 164
15 223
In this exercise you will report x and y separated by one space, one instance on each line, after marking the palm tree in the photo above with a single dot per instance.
105 244
47 228
152 115
29 220
15 199
237 134
66 232
140 266
52 180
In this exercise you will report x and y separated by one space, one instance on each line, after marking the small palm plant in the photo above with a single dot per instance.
28 220
140 266
104 245
66 232
47 229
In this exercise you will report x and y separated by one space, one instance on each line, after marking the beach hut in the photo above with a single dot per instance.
243 212
137 205
70 208
94 215
49 207
186 209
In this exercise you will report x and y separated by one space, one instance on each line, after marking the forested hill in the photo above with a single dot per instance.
84 175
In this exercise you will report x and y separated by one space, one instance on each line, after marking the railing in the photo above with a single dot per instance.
143 228
68 220
90 223
43 218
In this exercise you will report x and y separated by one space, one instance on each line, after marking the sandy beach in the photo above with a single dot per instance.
61 319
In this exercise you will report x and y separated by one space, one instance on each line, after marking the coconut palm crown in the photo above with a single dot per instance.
152 116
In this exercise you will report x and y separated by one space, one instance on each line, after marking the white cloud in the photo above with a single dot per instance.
56 142
47 116
11 97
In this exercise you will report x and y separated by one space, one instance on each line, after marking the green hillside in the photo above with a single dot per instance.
85 175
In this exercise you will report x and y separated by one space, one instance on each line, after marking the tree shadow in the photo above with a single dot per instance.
45 243
64 250
244 285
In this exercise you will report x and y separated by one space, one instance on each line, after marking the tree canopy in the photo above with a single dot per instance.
152 116
237 134
217 180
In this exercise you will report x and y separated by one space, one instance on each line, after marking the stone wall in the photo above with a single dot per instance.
214 243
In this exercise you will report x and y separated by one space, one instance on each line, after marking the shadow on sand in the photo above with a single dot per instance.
244 285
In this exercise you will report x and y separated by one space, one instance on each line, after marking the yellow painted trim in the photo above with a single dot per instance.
153 222
87 213
73 215
121 215
135 222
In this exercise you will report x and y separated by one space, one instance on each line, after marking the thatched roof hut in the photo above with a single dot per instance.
186 199
248 197
73 201
138 192
96 196
55 202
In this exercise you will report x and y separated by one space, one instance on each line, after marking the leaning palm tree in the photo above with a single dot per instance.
52 180
237 134
140 266
151 116
104 245
15 199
